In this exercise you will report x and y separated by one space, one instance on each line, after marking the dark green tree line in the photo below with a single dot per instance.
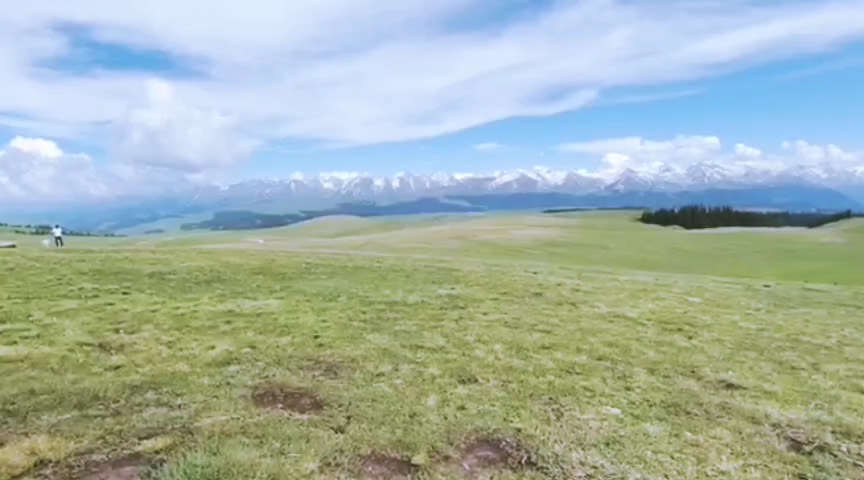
694 217
46 230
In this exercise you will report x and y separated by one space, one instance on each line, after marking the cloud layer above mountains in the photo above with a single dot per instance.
364 71
649 155
35 169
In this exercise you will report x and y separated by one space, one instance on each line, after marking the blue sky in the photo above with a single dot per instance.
818 99
266 89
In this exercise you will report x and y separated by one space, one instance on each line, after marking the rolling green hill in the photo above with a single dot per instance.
574 345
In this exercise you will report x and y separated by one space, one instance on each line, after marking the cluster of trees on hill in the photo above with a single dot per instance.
46 230
694 217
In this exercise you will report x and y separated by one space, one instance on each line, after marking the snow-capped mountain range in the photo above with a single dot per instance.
797 188
360 186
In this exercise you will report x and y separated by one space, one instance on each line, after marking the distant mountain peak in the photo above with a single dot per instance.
658 176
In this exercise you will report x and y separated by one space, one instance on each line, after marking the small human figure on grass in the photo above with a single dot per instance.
57 233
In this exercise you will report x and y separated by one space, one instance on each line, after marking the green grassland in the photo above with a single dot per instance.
503 346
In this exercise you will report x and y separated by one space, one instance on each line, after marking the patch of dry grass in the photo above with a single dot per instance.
20 454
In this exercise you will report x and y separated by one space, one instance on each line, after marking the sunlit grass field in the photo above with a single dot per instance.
505 346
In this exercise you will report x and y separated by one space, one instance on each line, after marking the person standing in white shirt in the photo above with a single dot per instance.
57 232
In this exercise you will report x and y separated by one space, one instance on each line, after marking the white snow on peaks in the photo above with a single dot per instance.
38 168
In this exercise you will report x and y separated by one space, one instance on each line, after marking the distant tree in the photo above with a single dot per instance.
42 230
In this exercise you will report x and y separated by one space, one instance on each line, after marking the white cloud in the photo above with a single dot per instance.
621 152
156 146
34 170
168 134
36 147
487 147
746 151
366 71
815 154
616 154
617 161
37 170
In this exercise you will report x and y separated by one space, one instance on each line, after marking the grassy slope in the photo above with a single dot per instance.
603 372
167 224
599 239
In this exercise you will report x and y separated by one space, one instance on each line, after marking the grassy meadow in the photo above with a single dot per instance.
569 346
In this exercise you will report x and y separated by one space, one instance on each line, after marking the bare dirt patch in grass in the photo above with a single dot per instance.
84 466
274 396
730 384
380 466
482 455
129 467
799 441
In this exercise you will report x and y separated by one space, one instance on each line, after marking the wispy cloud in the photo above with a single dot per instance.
370 71
487 147
833 66
650 97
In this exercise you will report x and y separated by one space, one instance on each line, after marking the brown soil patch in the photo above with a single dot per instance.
86 465
148 433
130 467
730 385
282 397
493 453
108 347
798 441
379 466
